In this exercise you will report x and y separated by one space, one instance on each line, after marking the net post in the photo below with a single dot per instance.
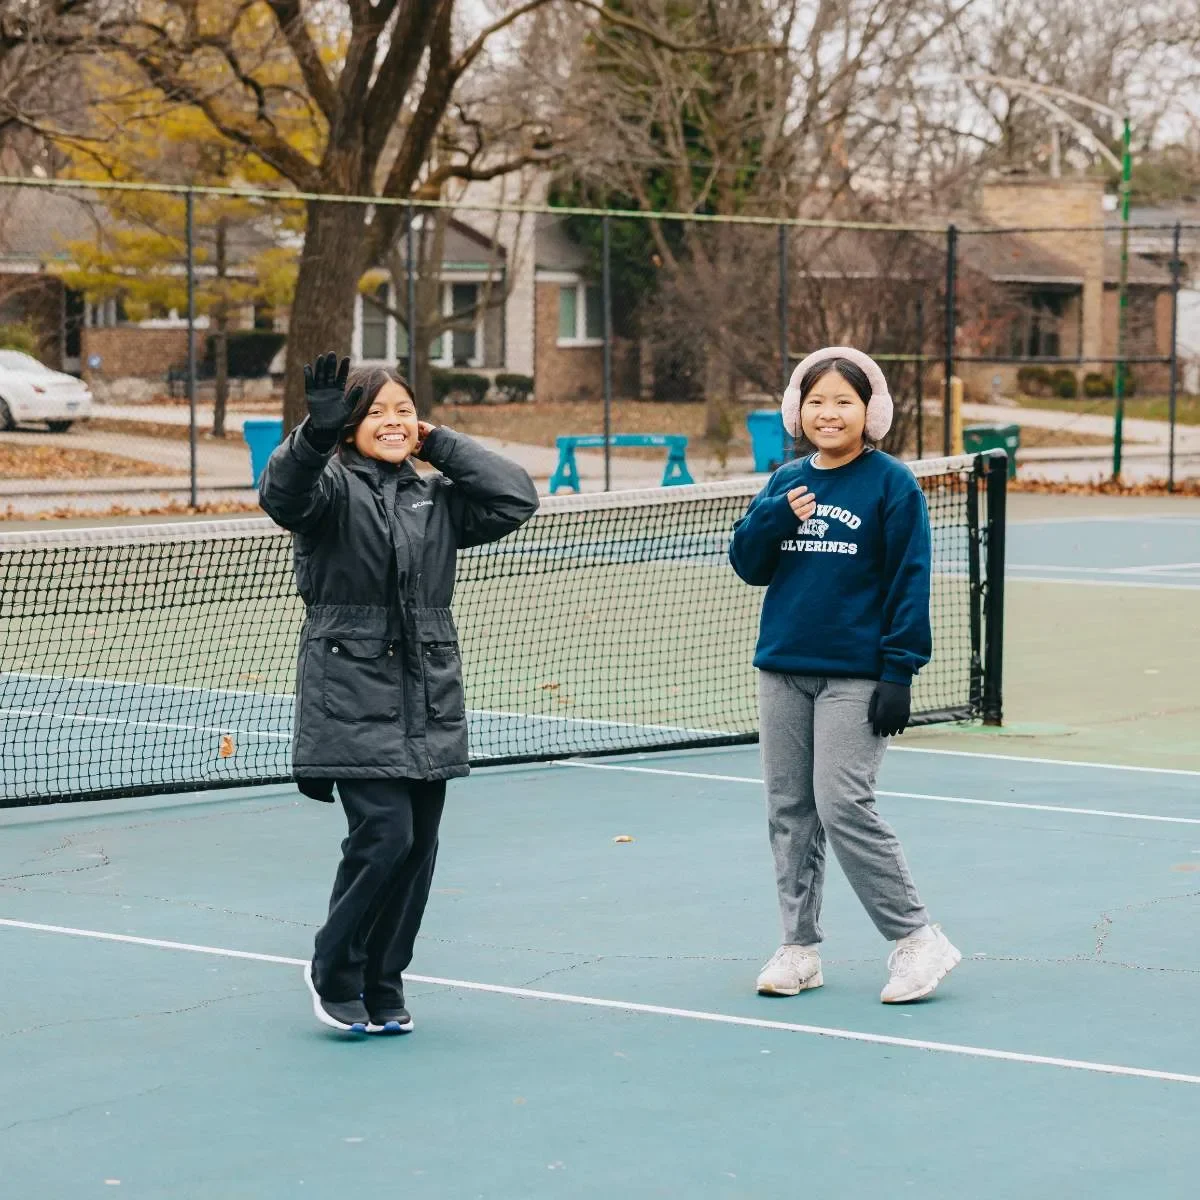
607 287
951 322
784 361
190 215
1173 398
993 660
975 585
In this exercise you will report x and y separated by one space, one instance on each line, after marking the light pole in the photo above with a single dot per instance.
1043 94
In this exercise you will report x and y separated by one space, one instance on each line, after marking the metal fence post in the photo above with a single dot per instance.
410 282
951 322
607 288
784 357
1172 403
920 380
190 209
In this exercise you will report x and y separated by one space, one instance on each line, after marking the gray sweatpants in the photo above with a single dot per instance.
820 759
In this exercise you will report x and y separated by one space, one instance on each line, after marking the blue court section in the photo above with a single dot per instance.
1116 550
586 1020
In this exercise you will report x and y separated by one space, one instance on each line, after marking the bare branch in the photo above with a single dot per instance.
290 16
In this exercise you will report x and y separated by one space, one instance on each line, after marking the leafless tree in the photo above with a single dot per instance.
801 120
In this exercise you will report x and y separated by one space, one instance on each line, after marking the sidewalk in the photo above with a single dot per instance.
177 414
1157 433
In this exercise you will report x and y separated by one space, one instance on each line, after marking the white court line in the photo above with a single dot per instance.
1147 519
1048 762
286 737
146 687
658 1010
1013 575
178 726
1149 569
1053 808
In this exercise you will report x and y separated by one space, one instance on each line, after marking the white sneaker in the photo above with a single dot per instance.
792 969
917 965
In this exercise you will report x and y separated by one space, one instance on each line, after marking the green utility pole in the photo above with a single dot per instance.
1122 301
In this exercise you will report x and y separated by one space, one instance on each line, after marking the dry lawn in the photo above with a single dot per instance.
36 461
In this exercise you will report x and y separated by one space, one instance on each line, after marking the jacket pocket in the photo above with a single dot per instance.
362 678
441 665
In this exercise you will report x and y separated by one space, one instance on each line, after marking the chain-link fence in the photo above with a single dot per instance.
146 334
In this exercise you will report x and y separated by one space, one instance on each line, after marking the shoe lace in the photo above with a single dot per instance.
903 959
790 956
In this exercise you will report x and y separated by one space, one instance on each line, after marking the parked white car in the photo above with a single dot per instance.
31 391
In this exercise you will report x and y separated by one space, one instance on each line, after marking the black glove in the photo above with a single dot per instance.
325 394
889 708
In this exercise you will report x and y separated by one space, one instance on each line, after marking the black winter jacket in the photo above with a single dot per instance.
379 689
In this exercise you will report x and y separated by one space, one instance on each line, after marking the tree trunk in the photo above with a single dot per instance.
323 308
423 391
221 378
221 341
719 353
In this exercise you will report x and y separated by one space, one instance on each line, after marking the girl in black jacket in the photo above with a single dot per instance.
380 708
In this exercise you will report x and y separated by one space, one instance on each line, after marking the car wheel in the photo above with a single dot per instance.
59 426
6 419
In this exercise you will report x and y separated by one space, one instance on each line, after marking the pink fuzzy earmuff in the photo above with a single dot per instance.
879 407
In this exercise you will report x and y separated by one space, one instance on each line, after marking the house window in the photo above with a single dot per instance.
580 314
1037 330
105 314
459 347
375 325
463 298
381 337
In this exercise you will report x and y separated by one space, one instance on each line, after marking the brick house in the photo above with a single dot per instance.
1062 286
1043 293
94 340
1037 293
538 312
34 224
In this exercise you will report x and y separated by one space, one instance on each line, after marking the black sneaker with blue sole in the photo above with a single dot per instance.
393 1020
348 1016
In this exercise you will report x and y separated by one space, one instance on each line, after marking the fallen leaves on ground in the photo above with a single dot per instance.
169 509
35 461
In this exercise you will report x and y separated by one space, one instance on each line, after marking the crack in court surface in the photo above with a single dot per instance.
71 1112
137 1016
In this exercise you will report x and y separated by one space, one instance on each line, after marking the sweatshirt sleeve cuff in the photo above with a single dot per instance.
777 514
895 674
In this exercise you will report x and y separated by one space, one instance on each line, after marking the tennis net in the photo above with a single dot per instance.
161 658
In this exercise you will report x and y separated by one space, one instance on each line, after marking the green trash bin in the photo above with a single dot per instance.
979 438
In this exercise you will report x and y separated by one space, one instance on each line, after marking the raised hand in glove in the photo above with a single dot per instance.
329 407
889 708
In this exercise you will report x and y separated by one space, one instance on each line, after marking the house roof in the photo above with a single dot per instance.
871 254
466 248
1000 257
36 224
1142 270
553 249
1013 258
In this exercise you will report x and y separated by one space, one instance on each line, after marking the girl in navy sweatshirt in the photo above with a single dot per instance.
840 539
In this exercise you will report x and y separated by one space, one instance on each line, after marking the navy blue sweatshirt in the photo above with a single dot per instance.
847 590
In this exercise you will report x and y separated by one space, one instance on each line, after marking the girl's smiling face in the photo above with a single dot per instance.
389 430
833 418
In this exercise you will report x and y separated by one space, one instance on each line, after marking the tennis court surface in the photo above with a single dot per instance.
586 1019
